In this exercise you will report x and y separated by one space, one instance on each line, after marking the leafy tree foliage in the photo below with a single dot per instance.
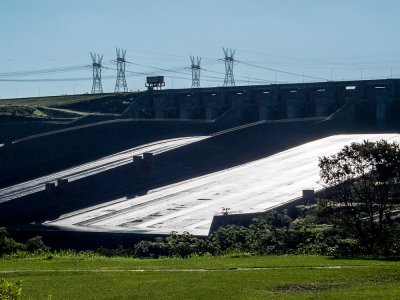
174 245
35 244
231 238
7 244
364 189
275 233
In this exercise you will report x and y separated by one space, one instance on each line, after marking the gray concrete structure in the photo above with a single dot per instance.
325 100
62 183
386 97
296 102
148 161
50 187
93 168
138 163
7 144
309 196
244 190
268 104
375 100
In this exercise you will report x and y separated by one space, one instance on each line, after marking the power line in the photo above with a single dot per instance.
301 59
238 76
97 66
175 70
157 53
280 71
43 71
50 79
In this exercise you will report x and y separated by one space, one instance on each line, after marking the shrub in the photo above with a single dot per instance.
10 290
7 244
231 238
36 244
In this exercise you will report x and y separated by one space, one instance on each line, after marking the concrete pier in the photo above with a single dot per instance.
159 108
239 103
62 184
268 106
295 102
189 106
325 100
211 107
50 187
148 161
211 113
382 109
385 104
185 111
138 163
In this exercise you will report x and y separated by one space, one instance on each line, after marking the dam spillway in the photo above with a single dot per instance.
189 206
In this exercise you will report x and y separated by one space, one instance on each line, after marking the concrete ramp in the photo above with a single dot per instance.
190 205
94 167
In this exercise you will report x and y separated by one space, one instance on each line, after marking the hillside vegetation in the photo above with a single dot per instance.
48 101
67 106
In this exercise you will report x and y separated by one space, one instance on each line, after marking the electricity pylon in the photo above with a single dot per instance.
228 59
97 88
195 67
120 84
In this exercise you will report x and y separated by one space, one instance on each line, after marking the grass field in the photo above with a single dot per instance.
67 106
280 277
32 107
49 101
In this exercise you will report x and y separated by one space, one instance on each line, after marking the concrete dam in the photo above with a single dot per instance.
209 148
374 101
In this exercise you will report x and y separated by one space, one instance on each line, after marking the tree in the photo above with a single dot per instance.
7 244
231 238
36 244
363 190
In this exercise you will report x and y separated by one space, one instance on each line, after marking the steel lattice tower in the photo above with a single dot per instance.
229 79
195 67
120 84
97 88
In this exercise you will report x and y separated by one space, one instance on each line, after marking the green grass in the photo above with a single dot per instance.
33 111
48 101
39 113
273 277
34 107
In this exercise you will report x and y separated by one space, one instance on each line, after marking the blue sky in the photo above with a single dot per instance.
323 39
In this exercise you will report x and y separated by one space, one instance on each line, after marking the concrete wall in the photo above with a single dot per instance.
309 197
209 155
376 98
33 157
348 104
